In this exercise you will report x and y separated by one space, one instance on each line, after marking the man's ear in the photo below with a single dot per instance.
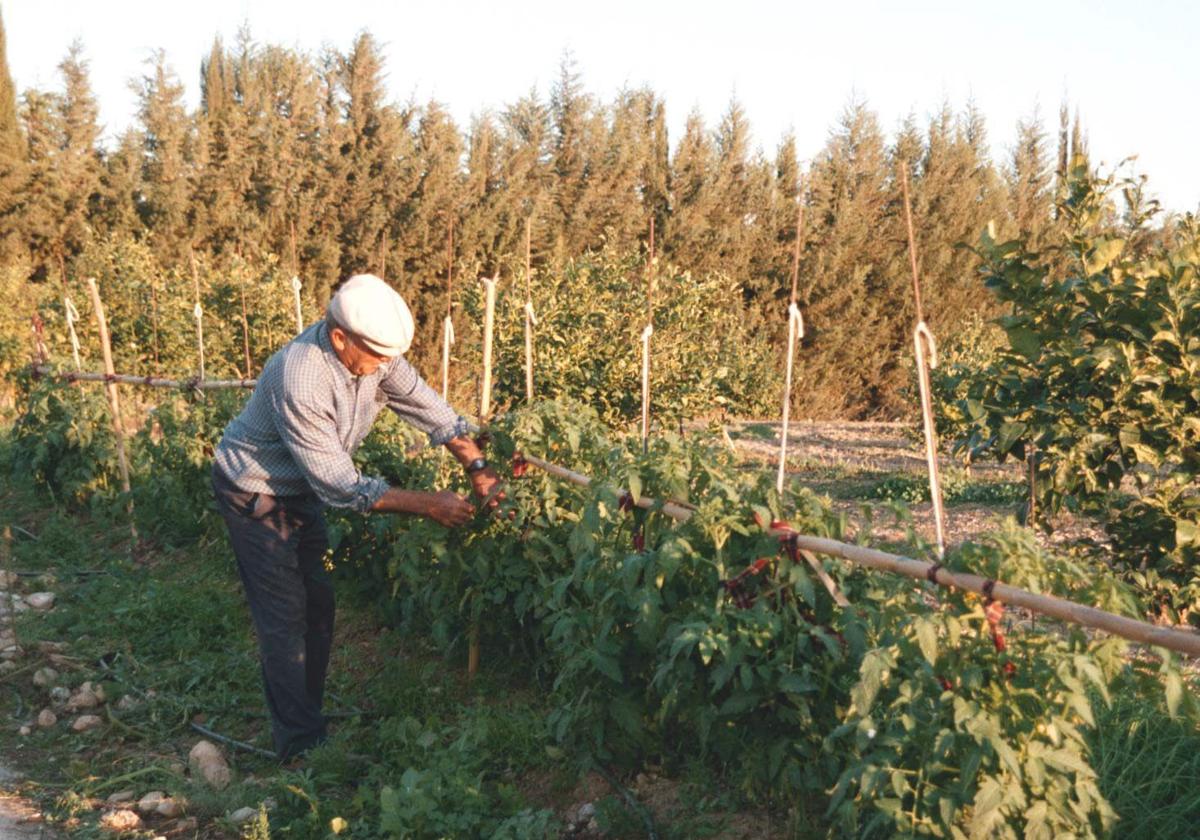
337 337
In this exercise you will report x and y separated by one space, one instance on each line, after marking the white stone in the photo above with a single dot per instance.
119 821
45 677
85 722
41 601
19 606
169 808
11 652
46 718
149 803
206 761
25 730
126 703
8 579
60 694
120 797
243 815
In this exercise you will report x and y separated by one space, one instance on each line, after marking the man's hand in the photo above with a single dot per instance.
448 508
484 484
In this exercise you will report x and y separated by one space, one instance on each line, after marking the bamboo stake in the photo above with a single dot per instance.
154 320
148 381
647 332
114 402
197 311
245 332
795 332
1179 641
489 319
530 318
923 339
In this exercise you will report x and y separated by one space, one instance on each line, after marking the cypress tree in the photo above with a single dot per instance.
79 162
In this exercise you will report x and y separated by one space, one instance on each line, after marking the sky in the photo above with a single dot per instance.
793 65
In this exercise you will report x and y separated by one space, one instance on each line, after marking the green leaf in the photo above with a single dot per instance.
1008 436
1174 687
1024 341
927 639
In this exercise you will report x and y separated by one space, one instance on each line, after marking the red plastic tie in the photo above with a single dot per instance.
519 465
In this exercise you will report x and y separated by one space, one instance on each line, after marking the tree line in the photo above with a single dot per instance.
301 162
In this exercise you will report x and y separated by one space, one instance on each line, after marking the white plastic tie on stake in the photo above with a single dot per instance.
922 341
529 313
197 311
447 340
795 332
296 296
72 317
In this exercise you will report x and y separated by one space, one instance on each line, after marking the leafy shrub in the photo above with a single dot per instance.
1098 379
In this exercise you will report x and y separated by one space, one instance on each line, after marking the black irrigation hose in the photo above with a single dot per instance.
225 739
629 798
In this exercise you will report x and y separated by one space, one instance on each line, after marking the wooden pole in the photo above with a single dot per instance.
148 381
114 402
530 318
197 311
1180 641
795 332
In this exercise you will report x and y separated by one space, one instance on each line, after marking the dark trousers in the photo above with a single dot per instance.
280 543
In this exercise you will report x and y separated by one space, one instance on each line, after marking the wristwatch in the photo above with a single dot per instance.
477 465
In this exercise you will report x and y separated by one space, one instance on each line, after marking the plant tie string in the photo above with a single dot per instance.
931 572
72 318
296 296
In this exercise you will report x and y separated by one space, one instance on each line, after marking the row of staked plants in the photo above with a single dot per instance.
1095 381
891 717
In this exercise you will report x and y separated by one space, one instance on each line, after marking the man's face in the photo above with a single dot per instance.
358 358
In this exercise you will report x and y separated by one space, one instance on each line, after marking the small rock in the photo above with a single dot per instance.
186 824
127 703
7 666
45 677
46 646
8 579
206 761
593 826
25 730
169 808
11 652
46 719
123 820
120 797
243 815
149 803
7 637
84 698
19 606
85 722
60 694
40 601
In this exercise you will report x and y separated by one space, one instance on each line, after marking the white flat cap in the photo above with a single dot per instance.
374 312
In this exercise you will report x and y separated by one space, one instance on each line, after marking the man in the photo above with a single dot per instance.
288 455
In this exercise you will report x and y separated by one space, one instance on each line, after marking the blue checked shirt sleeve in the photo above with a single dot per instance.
414 401
306 421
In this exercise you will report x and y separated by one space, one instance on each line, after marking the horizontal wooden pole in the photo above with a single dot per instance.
1180 641
148 381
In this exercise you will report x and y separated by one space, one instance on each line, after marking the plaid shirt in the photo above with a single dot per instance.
308 414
